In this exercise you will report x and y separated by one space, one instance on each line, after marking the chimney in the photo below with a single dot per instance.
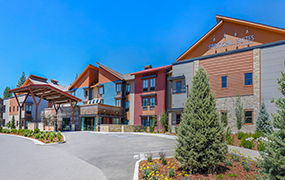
147 67
54 81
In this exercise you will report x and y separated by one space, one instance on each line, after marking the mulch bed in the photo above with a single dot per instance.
46 141
236 168
237 143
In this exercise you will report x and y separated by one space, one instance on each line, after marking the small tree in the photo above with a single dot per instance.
153 124
273 158
239 112
8 124
163 120
21 80
200 144
13 126
6 93
263 121
224 119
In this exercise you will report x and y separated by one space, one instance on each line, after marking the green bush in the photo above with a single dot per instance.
232 175
1 129
231 140
37 136
36 131
247 167
149 158
6 131
247 143
235 157
171 173
260 146
176 129
14 131
157 131
19 131
240 135
228 162
59 136
258 134
146 173
220 176
8 124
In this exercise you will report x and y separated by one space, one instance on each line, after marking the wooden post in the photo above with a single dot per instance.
73 105
37 103
21 106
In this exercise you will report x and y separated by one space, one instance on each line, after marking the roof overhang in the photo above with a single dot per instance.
46 92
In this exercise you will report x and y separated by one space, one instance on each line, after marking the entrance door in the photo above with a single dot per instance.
144 122
89 123
66 124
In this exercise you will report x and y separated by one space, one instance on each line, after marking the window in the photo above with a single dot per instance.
152 84
248 117
9 109
13 108
145 102
29 109
224 81
151 103
100 90
144 122
178 87
128 89
86 94
178 118
127 106
118 88
17 108
118 102
150 122
145 85
247 79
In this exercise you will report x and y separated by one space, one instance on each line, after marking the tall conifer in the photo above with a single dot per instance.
263 121
200 146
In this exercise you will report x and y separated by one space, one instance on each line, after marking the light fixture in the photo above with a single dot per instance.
224 36
236 33
214 38
246 30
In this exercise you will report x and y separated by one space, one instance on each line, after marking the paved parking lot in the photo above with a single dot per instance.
86 155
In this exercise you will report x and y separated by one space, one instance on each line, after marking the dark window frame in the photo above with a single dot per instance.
128 89
127 107
145 108
252 117
152 84
150 105
176 122
246 79
145 85
180 89
224 81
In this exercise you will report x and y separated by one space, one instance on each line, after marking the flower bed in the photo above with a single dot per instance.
43 136
238 167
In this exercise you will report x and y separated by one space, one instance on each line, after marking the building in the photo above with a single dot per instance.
151 94
240 57
2 110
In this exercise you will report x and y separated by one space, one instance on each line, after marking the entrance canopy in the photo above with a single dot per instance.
46 92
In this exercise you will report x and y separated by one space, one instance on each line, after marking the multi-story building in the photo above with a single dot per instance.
240 57
150 94
2 110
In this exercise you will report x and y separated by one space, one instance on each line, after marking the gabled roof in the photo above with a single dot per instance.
220 21
82 74
115 73
152 70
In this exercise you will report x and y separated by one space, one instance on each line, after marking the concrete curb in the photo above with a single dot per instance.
37 142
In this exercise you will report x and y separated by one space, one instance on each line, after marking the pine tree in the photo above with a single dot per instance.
163 120
6 93
273 158
239 112
200 145
13 126
21 80
263 121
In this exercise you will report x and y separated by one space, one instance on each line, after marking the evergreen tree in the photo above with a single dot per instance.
239 112
13 126
200 145
163 120
6 93
21 80
263 121
273 158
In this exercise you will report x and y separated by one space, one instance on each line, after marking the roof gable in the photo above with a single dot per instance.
230 34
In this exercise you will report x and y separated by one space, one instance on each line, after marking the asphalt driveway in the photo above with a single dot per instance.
85 155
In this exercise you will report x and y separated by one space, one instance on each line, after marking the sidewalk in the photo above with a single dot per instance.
247 152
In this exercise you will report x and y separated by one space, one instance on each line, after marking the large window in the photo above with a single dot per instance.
248 79
128 89
145 102
224 81
178 118
151 103
248 117
152 84
28 109
127 106
178 87
118 88
145 85
118 102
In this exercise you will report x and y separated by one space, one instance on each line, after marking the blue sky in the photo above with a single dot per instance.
57 39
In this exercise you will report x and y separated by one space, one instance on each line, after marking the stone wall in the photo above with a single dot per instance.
132 128
120 128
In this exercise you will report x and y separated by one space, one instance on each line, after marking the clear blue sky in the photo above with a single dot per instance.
57 39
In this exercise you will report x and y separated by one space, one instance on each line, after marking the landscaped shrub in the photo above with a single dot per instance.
37 136
220 176
235 157
14 131
151 129
228 162
176 129
247 166
149 157
260 146
146 173
19 131
239 112
164 161
240 135
6 131
161 155
163 120
59 135
247 142
1 129
171 173
36 131
13 126
231 140
224 119
258 134
263 123
200 145
155 168
232 175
